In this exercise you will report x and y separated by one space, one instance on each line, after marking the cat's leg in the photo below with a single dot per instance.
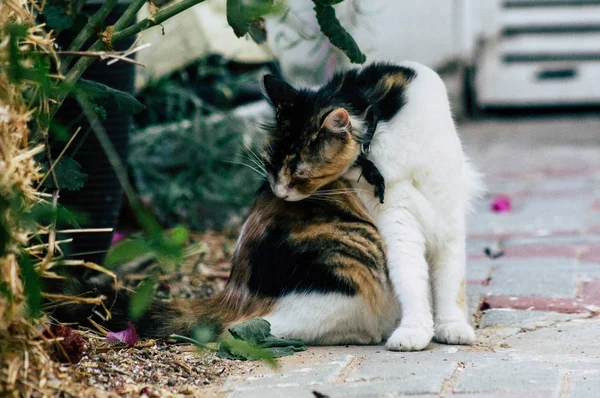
448 285
409 275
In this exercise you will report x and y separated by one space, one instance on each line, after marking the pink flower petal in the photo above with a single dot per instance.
127 336
117 236
501 204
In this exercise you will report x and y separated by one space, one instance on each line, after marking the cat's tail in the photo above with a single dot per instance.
162 319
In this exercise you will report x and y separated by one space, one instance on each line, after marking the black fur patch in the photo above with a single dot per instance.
281 264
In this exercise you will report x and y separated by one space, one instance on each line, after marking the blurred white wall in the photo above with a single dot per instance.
385 30
416 30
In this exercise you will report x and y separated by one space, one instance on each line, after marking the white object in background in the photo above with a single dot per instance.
540 53
191 35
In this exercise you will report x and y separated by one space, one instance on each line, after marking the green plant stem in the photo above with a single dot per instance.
195 342
129 15
121 25
88 30
154 20
109 149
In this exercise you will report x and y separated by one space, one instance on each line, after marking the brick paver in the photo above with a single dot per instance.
536 307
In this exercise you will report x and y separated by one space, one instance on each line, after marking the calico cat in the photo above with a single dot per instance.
402 112
315 269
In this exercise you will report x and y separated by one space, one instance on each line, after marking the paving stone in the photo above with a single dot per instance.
575 341
534 277
378 388
576 238
511 394
551 214
536 251
592 255
475 294
522 319
479 270
506 377
411 374
275 392
311 373
562 305
585 385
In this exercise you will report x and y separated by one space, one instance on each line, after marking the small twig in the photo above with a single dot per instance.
184 366
100 328
82 300
109 149
153 20
51 169
55 192
46 245
104 55
84 230
88 30
129 52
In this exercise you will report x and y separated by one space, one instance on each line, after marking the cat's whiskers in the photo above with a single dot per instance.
258 171
252 156
257 164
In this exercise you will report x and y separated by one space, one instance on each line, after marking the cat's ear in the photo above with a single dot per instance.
337 123
278 92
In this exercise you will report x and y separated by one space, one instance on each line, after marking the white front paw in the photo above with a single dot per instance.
455 333
409 339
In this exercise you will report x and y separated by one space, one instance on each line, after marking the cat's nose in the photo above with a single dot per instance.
280 191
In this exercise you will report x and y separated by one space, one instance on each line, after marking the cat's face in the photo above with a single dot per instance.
310 144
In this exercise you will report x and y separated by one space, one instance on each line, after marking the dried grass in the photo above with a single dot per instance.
25 367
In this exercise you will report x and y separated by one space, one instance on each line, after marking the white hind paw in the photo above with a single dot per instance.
409 339
455 333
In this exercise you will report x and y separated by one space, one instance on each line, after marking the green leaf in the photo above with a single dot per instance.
278 352
258 342
57 18
179 236
255 330
125 251
33 287
16 71
272 342
239 349
203 334
141 299
60 132
335 32
68 175
100 111
246 16
101 92
44 213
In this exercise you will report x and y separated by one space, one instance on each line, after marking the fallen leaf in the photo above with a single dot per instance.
118 236
501 204
127 336
70 348
253 340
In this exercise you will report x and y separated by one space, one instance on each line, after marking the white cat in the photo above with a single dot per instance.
429 186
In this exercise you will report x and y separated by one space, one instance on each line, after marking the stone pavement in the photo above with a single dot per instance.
535 308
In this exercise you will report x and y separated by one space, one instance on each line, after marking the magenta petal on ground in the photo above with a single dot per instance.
501 204
127 336
117 236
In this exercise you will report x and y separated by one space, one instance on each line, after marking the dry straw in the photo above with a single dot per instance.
25 368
